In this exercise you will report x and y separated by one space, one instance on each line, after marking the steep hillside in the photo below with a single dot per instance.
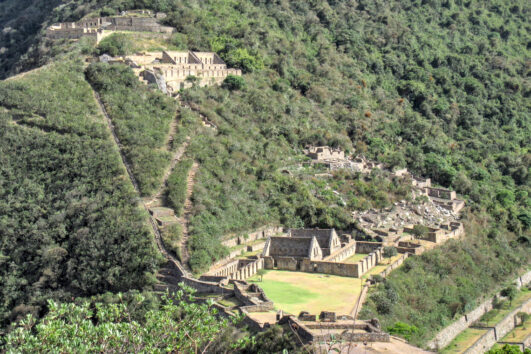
438 86
69 219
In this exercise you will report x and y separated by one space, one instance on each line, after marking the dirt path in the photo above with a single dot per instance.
173 270
206 122
173 130
187 211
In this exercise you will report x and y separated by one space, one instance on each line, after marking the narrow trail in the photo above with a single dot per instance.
173 130
206 122
173 270
183 220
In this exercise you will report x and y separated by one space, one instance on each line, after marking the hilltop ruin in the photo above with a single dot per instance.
101 27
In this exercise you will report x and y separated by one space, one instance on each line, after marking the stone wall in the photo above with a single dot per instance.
361 300
502 328
256 247
343 253
341 269
394 265
259 234
409 247
483 343
286 263
239 269
523 280
321 332
441 193
205 286
367 247
252 296
445 336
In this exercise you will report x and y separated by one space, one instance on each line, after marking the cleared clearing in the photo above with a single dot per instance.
294 292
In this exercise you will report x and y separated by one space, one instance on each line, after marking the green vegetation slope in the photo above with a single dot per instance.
439 86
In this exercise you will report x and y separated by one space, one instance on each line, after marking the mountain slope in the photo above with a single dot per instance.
438 86
69 220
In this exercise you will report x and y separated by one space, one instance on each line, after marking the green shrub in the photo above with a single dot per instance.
389 251
403 330
116 44
233 82
171 236
177 186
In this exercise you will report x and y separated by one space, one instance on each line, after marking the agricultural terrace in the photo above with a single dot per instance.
464 340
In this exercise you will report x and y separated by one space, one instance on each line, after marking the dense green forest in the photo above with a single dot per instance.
439 86
141 117
70 224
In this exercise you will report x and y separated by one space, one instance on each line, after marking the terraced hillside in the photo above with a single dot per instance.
437 86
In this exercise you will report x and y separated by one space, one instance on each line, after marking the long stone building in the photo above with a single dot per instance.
177 68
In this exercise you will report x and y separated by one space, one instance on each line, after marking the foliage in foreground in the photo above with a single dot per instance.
509 349
178 325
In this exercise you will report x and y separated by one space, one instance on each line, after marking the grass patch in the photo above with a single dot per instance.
355 258
230 302
464 340
494 316
294 292
520 333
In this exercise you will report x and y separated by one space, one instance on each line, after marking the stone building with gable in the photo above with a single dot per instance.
328 239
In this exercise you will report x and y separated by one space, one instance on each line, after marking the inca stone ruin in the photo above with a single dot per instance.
101 27
175 70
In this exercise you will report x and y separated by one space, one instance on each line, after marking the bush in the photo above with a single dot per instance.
420 231
403 330
389 251
116 44
171 236
233 82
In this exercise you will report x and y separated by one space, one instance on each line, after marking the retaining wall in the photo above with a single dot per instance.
342 269
367 247
394 265
446 335
343 253
502 328
205 286
286 263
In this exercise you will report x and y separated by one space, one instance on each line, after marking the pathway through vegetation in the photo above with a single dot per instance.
185 255
157 198
171 272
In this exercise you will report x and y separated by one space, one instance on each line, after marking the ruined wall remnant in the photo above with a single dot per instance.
96 27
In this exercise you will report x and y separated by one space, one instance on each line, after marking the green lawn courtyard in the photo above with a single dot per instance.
294 292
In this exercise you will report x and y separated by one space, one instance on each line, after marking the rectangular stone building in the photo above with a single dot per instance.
328 239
